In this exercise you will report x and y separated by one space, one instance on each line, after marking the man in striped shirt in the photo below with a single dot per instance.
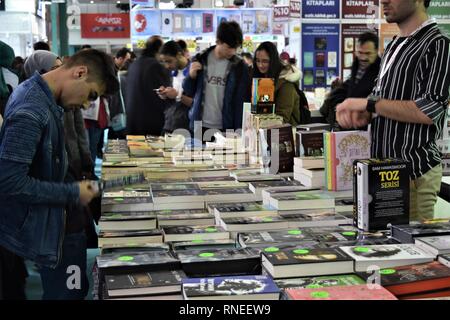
408 106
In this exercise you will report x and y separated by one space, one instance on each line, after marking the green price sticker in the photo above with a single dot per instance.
206 255
361 249
211 230
118 199
294 232
267 219
349 233
271 249
197 241
387 271
320 295
300 251
126 258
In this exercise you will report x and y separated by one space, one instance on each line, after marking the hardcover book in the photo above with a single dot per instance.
356 292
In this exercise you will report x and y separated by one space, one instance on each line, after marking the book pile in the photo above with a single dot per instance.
310 171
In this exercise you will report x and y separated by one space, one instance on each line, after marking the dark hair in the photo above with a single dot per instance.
368 37
171 48
152 46
426 3
230 32
41 45
275 66
17 62
182 44
122 53
247 55
86 46
100 68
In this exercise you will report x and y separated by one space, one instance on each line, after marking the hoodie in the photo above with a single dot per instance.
286 98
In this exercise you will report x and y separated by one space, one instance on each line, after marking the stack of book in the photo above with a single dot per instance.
310 171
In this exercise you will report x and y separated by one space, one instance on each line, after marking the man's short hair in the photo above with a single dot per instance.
368 37
426 3
41 45
122 53
100 68
182 44
230 32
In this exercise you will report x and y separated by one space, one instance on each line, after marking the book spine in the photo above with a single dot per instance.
363 195
334 161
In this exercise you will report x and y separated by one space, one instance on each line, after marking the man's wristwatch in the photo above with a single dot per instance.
371 102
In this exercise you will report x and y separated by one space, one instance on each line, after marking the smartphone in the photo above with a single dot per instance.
156 90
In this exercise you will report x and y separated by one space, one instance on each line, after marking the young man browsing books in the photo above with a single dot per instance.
408 105
33 161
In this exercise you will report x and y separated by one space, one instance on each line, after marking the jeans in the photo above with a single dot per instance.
68 281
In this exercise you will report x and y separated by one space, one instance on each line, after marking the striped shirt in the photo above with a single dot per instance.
420 72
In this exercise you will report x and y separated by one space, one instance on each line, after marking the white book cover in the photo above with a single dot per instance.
435 245
386 256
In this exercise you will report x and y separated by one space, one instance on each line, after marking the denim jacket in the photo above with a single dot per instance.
236 92
33 165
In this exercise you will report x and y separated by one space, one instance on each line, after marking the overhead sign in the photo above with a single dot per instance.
100 25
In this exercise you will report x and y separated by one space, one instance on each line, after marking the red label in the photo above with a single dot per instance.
97 25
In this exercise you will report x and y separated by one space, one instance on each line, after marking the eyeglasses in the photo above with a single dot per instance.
264 61
93 95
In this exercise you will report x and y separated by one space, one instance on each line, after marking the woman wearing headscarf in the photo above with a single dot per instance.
8 79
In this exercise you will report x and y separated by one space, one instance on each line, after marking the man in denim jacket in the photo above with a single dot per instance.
33 160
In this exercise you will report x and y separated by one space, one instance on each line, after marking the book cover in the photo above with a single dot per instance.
250 238
277 149
413 278
230 287
208 24
319 282
385 256
356 292
263 91
136 262
436 245
219 262
382 193
407 233
156 282
310 143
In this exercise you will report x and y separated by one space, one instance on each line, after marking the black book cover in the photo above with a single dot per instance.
192 229
145 280
382 193
278 149
217 262
132 215
305 256
309 143
136 262
407 233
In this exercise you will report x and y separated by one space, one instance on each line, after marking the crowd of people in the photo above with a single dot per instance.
52 124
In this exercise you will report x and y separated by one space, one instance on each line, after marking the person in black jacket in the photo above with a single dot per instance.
365 70
145 110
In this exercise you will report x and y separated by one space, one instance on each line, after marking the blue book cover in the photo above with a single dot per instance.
229 286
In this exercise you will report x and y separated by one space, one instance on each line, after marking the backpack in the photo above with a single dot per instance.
305 113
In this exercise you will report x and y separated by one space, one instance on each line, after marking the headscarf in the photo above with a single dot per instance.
6 60
41 61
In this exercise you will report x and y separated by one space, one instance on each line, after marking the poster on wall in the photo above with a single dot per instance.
349 45
147 3
295 9
145 22
439 9
100 25
368 9
320 9
263 22
166 23
387 32
320 56
248 22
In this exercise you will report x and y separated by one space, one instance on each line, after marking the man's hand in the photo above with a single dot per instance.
194 69
352 113
88 191
167 93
